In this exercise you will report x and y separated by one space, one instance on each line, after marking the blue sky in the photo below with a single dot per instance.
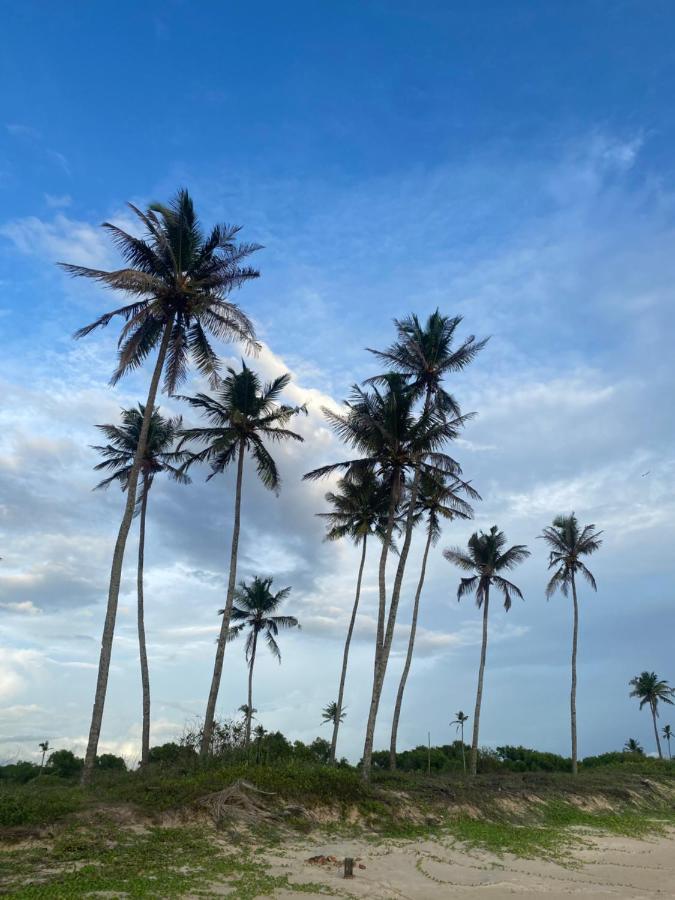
511 162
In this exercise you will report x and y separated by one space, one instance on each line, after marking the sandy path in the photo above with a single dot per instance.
608 867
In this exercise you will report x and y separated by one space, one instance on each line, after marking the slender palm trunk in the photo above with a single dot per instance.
345 655
117 562
573 692
670 755
249 711
408 659
227 612
463 754
145 674
382 653
473 764
656 730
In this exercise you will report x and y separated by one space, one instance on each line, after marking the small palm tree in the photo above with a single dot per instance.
652 690
486 558
632 745
243 414
255 610
438 499
667 735
333 713
359 510
44 747
160 455
568 543
460 720
178 280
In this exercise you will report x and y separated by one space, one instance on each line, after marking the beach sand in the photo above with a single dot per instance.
604 866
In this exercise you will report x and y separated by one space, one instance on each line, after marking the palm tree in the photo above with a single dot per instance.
178 280
255 612
333 713
667 734
633 746
44 747
396 444
486 558
360 506
438 498
567 543
460 719
159 455
651 690
242 415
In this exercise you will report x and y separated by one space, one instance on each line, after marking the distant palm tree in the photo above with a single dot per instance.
567 543
397 444
44 747
160 455
359 510
459 720
178 280
486 558
633 746
244 413
651 690
254 610
667 734
438 499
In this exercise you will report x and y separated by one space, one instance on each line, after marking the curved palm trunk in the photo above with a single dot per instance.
345 655
225 624
145 674
656 730
408 659
573 692
117 562
249 713
382 652
473 764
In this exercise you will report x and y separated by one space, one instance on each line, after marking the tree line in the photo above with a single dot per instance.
397 426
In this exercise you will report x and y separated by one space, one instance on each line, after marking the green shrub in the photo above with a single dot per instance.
64 763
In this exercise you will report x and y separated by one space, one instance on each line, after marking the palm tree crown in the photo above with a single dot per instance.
487 558
179 276
331 713
243 412
254 609
567 544
460 719
438 498
360 505
633 746
651 690
159 455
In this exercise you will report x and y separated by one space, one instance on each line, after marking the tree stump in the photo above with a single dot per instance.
349 867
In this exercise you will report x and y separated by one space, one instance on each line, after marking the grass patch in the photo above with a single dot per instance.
38 803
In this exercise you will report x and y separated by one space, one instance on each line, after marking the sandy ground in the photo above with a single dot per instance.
604 867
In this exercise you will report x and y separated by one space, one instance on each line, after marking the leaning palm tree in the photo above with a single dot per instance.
568 542
667 735
243 414
254 610
486 558
632 745
160 455
460 720
359 509
178 280
652 690
44 748
333 713
438 499
398 444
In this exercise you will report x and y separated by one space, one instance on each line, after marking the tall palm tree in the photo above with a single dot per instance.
667 735
652 690
397 443
178 280
568 543
242 416
460 719
485 558
160 455
333 713
438 499
44 747
254 610
360 505
633 746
